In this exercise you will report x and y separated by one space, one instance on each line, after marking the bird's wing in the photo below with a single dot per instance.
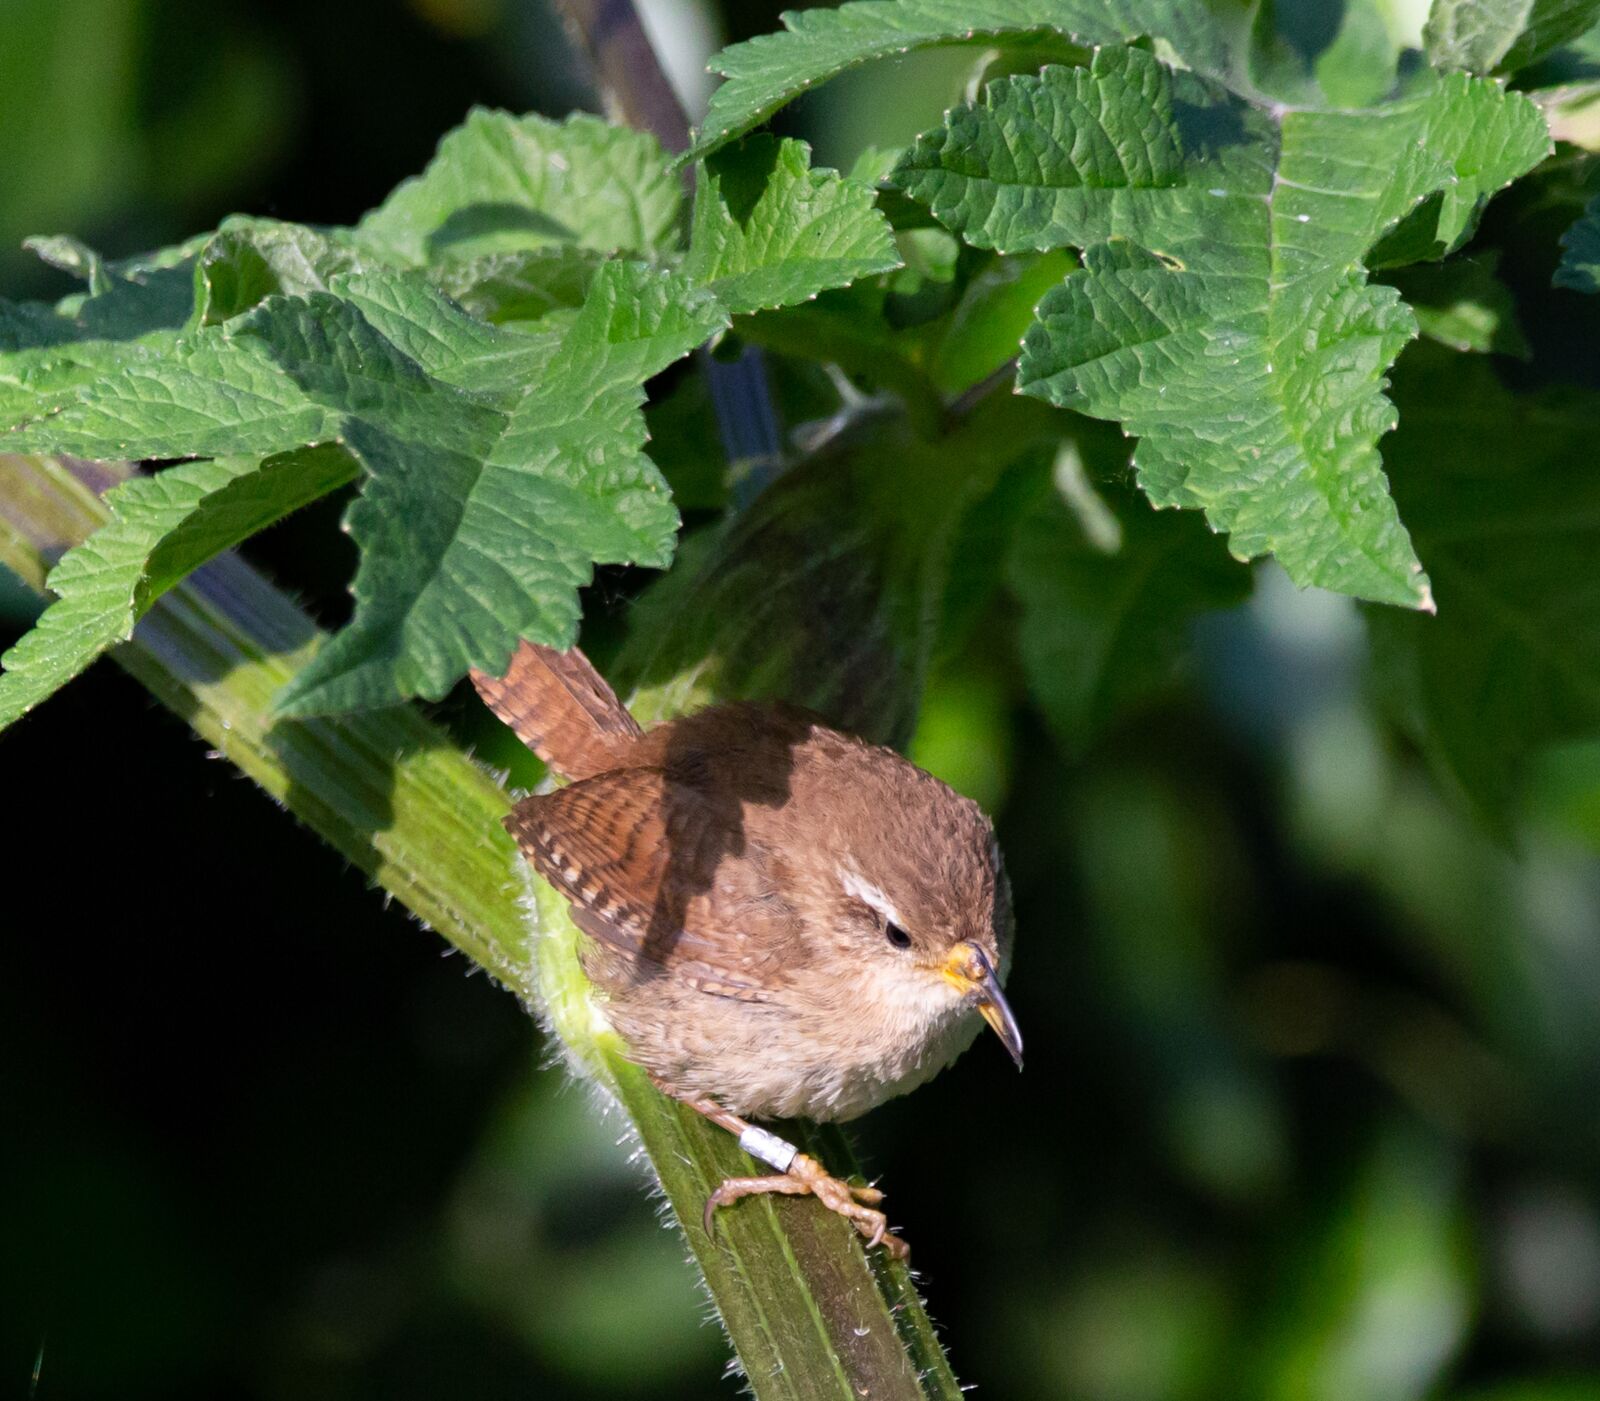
660 872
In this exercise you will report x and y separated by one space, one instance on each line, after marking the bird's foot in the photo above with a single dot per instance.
807 1177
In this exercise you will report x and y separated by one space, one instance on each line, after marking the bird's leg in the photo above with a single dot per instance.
798 1175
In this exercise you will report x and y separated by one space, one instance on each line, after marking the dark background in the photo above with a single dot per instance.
1312 1106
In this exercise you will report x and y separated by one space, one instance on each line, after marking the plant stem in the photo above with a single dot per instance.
961 407
627 74
808 1312
385 787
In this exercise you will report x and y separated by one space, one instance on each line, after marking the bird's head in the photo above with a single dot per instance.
911 878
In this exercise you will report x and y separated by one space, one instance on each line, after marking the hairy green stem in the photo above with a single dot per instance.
810 1314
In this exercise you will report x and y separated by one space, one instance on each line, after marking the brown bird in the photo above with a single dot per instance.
783 920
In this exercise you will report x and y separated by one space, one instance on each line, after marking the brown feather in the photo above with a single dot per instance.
562 709
663 877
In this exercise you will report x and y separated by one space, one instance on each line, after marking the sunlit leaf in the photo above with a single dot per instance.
766 72
769 231
130 314
1223 312
501 466
249 260
502 183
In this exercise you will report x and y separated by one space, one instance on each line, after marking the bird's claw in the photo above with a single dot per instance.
807 1177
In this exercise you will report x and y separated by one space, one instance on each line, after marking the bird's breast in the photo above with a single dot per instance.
833 1058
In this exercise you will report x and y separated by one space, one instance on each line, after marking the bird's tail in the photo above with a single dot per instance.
562 709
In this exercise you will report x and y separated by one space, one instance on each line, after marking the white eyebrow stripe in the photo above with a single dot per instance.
857 885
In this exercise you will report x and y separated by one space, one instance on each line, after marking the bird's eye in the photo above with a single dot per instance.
897 936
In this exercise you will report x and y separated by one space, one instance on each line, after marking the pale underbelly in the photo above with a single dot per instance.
766 1062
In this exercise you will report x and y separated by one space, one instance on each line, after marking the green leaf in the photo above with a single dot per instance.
135 308
1223 313
1580 252
502 465
1501 36
132 313
502 184
928 285
217 393
988 323
72 256
1485 140
162 528
1504 499
766 72
872 165
685 447
524 286
769 231
1109 589
849 328
1339 56
980 547
479 527
1462 304
249 260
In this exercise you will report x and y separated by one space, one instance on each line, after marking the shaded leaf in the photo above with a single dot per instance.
1504 499
132 313
482 533
522 286
73 256
1461 303
769 231
1485 139
162 528
1222 312
979 553
827 589
1344 55
1580 252
217 393
1109 589
930 281
988 323
850 328
683 427
249 260
135 308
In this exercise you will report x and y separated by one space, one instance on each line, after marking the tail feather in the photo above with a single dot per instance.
562 709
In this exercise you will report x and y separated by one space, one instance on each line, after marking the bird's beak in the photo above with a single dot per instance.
967 968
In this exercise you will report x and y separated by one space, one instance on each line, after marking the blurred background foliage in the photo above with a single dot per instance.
1312 1106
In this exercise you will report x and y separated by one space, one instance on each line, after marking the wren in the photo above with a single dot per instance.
783 920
